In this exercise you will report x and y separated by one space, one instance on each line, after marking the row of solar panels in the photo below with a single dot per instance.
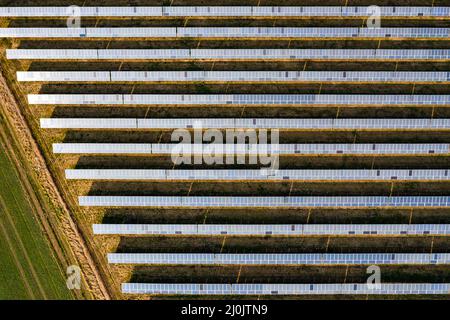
256 202
225 32
285 289
278 258
232 99
238 76
229 54
218 11
228 123
262 174
282 149
273 229
285 259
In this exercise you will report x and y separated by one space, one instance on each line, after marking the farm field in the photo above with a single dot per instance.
30 269
434 130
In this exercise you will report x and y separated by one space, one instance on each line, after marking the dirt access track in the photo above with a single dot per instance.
60 223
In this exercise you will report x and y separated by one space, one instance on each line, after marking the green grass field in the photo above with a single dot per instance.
28 267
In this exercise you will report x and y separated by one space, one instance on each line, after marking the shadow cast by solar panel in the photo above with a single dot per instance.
152 215
101 112
248 112
193 22
285 162
155 136
120 136
371 66
185 188
62 44
149 162
126 22
270 188
187 43
201 87
85 88
269 244
184 88
49 22
203 65
274 216
247 274
181 112
283 274
94 65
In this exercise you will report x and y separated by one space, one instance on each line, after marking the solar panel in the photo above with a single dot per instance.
256 202
282 124
285 289
255 175
273 229
227 32
220 11
236 99
282 149
89 123
279 258
235 76
230 54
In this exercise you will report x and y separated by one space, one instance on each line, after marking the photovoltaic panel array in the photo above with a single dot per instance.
236 99
286 289
232 76
279 258
93 58
229 54
273 229
227 33
251 149
257 202
228 11
282 124
256 175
